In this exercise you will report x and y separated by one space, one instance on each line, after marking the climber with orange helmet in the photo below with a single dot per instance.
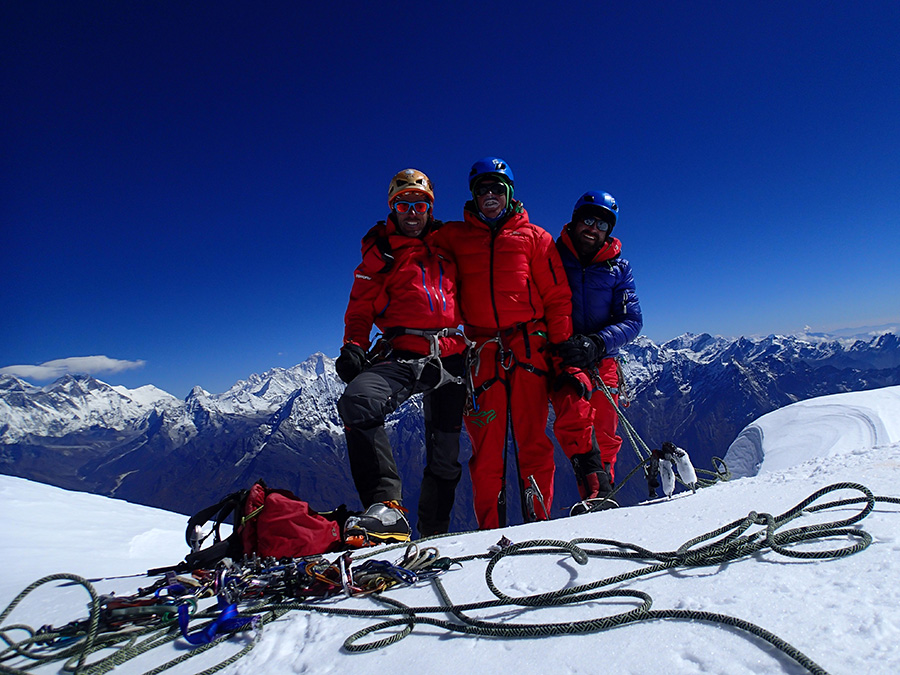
405 286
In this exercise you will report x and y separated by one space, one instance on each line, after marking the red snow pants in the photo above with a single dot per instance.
510 376
577 419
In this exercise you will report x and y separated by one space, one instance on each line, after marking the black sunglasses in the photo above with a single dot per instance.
498 189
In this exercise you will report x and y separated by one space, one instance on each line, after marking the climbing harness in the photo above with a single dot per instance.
505 358
383 348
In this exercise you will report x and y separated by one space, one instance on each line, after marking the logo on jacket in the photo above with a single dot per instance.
482 418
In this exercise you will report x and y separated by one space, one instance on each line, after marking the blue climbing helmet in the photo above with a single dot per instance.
599 204
492 167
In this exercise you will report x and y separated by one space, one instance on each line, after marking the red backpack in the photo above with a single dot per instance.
268 522
279 525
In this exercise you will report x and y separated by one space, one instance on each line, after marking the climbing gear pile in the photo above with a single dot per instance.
257 590
246 596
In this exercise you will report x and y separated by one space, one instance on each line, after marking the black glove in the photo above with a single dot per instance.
581 351
569 380
351 362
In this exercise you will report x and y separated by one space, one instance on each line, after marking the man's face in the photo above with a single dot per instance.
490 195
588 234
412 216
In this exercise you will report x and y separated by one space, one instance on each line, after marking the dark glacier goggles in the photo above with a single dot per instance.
416 207
596 223
498 189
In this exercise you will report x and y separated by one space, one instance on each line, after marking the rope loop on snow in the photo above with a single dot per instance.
256 592
728 543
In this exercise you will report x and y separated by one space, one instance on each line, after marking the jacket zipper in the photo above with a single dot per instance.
493 299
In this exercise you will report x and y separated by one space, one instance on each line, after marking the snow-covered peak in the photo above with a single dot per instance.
263 394
695 344
74 403
147 395
199 393
10 385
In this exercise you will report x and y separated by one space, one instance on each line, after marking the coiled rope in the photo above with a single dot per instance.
739 539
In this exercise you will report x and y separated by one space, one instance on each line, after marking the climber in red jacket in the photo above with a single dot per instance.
406 287
514 298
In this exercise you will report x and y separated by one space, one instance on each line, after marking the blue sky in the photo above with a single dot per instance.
184 185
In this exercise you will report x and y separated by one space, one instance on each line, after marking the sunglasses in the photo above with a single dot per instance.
417 207
596 223
498 189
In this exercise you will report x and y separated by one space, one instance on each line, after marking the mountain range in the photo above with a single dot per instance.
149 447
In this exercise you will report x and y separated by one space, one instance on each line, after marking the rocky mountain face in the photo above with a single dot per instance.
148 447
701 391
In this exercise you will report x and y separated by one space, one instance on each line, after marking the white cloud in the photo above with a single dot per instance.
92 365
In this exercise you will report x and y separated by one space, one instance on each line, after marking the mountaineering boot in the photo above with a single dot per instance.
594 489
381 522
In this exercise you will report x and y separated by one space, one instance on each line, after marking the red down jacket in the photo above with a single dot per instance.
417 290
511 276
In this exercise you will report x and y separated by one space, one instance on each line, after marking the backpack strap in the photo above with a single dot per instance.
380 240
209 557
228 506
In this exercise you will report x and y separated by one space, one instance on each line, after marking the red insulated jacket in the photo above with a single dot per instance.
508 276
416 289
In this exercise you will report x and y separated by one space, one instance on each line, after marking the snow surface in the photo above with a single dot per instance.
843 613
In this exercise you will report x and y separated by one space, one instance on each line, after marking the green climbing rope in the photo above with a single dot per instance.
739 539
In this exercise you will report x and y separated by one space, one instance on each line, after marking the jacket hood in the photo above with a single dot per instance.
611 248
